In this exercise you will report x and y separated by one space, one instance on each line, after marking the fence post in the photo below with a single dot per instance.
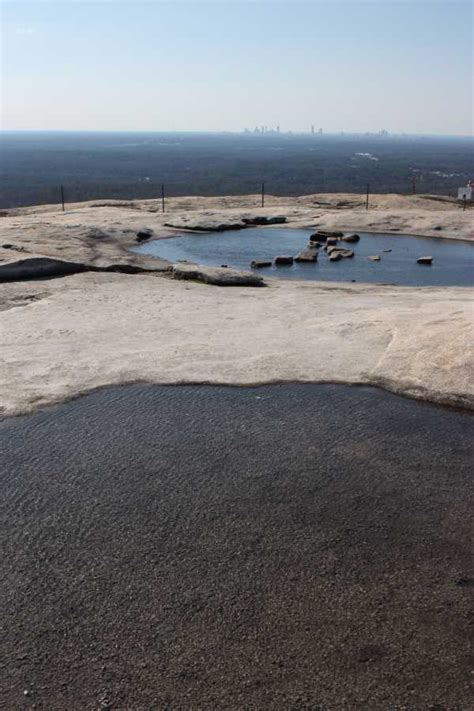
263 194
414 184
162 197
62 196
367 197
464 200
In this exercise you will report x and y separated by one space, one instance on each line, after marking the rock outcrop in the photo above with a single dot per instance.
216 275
264 220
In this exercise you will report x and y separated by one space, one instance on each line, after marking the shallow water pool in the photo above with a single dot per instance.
453 261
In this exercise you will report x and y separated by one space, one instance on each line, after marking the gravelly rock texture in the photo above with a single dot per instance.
293 547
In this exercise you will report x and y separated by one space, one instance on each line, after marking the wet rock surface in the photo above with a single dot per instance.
144 234
183 558
47 267
38 268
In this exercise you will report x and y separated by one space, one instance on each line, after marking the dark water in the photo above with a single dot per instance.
212 547
453 262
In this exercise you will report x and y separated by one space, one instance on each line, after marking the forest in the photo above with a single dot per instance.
135 165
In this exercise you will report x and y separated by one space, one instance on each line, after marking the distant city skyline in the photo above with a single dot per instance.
354 67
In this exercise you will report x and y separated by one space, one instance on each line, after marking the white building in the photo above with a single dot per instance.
467 193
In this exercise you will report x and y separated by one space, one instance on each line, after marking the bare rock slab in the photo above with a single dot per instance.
256 220
216 276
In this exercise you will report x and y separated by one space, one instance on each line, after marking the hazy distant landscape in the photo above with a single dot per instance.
133 165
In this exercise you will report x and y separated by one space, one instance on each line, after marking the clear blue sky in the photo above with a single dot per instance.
404 66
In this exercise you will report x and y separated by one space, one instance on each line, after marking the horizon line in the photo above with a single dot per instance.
242 132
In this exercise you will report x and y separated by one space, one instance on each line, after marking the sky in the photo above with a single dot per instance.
222 66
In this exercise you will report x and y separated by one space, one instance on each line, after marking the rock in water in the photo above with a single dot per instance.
351 238
283 261
307 255
334 256
259 264
424 260
374 257
323 235
343 252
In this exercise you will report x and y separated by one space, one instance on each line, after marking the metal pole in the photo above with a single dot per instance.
62 196
464 203
367 197
162 197
263 194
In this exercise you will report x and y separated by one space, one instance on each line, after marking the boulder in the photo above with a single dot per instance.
424 260
260 264
331 241
283 261
351 238
374 257
307 255
315 245
334 256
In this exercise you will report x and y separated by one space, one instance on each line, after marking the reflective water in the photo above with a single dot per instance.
453 261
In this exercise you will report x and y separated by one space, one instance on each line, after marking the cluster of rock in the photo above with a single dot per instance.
328 242
321 239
